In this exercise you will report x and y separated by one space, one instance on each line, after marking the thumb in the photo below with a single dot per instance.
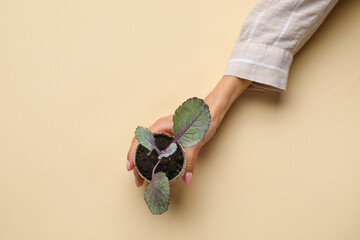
190 155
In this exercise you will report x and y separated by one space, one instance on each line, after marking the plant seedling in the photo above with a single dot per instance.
191 121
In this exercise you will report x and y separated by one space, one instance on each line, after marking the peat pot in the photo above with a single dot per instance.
173 166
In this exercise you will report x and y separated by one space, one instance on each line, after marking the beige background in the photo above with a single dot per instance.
77 77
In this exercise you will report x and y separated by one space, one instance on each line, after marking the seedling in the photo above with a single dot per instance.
191 121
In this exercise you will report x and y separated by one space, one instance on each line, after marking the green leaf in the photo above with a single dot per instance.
191 121
168 151
146 138
157 193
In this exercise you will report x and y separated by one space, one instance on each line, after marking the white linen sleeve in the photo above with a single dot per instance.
270 36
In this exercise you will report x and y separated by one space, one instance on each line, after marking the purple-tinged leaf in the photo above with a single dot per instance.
168 151
157 193
146 138
191 121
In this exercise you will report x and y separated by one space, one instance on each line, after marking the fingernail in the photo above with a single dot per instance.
136 182
128 165
188 177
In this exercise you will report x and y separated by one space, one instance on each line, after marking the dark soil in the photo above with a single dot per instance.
171 165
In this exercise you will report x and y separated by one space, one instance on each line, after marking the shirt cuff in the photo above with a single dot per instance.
267 66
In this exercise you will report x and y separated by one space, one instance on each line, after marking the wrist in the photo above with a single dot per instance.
223 95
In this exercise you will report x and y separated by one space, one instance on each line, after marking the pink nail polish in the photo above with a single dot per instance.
128 165
136 182
188 177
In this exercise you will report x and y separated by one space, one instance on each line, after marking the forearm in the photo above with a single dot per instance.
223 95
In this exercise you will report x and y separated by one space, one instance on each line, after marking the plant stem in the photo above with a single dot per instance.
156 149
153 173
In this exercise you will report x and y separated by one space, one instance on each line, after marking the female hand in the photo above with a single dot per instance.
219 101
